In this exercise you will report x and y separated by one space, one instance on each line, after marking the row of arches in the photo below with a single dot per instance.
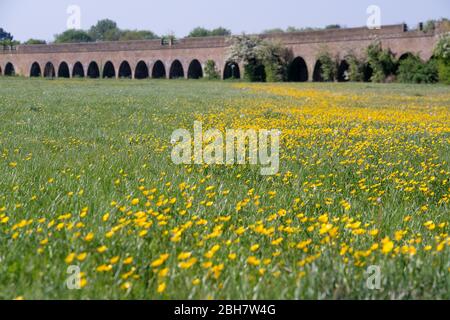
142 71
297 72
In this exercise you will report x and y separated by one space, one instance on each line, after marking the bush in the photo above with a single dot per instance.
328 65
211 70
414 70
356 69
381 61
442 54
275 59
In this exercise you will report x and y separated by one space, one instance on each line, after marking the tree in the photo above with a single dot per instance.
203 32
357 67
295 29
275 58
328 66
220 31
414 70
199 32
105 30
35 41
5 35
73 36
126 35
274 30
246 49
381 61
442 55
333 26
211 70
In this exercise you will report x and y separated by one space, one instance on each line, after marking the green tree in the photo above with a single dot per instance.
5 35
357 67
73 36
328 66
442 55
275 58
105 30
126 35
381 61
35 41
414 70
274 30
199 32
333 26
211 70
220 31
245 49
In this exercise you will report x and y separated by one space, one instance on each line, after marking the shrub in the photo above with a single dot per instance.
275 59
414 70
211 70
328 65
442 54
381 61
356 69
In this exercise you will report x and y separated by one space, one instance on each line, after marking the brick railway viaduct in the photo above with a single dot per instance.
186 58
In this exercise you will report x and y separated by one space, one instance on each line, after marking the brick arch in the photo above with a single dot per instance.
93 70
232 70
49 70
141 71
177 70
109 70
125 70
158 70
298 70
10 70
35 69
78 70
63 70
195 69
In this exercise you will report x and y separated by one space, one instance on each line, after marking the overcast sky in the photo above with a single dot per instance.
43 18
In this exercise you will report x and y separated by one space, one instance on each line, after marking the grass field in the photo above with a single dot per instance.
86 179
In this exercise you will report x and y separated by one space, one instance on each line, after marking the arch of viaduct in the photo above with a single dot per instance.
186 58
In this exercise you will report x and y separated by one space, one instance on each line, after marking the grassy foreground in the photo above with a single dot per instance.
86 180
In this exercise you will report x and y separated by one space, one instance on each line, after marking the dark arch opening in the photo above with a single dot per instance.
93 70
159 71
405 56
368 72
298 71
63 71
231 71
9 70
317 75
141 71
49 70
78 70
108 70
35 70
176 70
1 71
125 70
343 75
195 70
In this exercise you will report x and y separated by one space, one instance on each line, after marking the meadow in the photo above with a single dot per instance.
86 180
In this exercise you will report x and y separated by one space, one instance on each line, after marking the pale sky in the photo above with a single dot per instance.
42 19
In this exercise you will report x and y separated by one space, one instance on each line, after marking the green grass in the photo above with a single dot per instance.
71 144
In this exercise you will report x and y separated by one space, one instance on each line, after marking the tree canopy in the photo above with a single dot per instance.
73 36
203 32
